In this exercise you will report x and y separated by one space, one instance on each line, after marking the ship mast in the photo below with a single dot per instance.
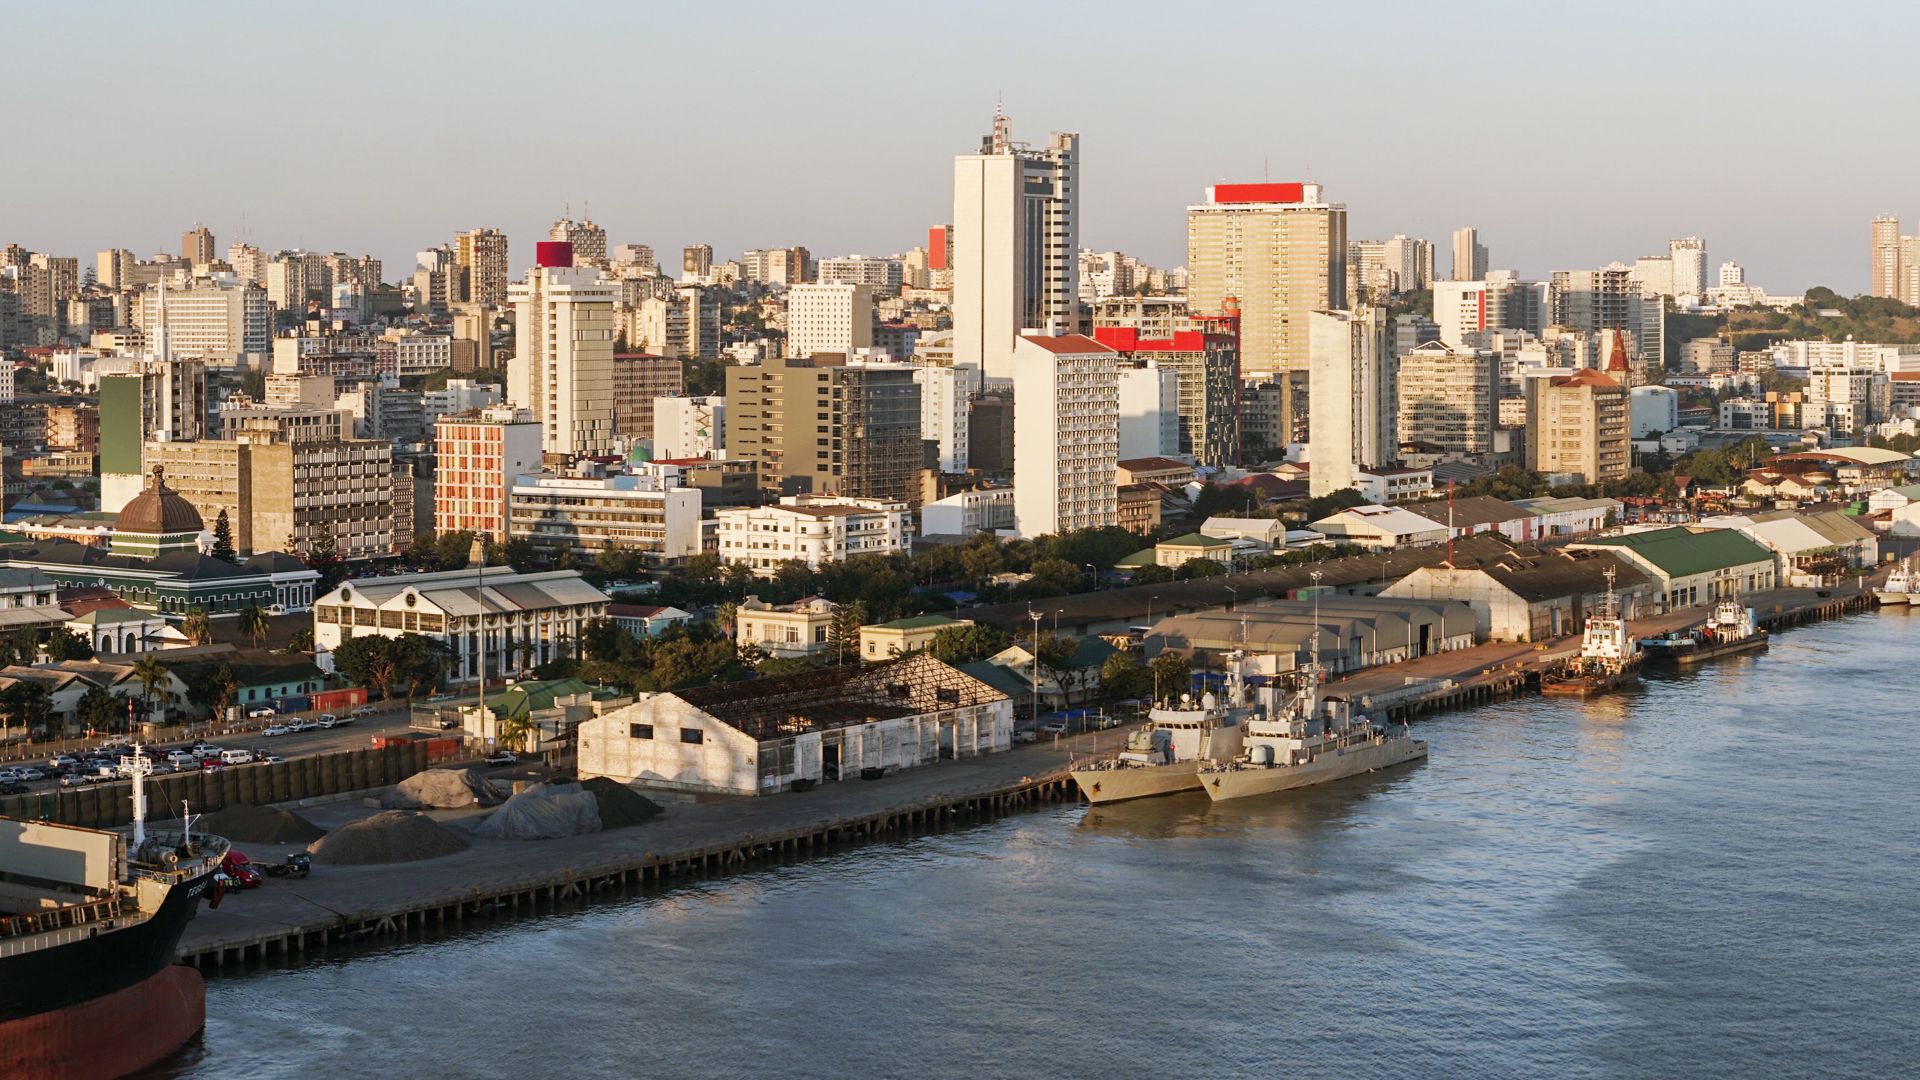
139 768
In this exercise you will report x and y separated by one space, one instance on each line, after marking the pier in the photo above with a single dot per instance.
345 906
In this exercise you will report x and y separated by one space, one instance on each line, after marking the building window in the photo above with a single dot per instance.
692 735
639 731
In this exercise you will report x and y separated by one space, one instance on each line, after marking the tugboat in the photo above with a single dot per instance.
1608 655
1165 757
1900 586
1731 629
89 924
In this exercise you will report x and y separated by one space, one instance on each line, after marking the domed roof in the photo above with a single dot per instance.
159 510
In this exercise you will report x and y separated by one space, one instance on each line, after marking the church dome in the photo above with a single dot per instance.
158 511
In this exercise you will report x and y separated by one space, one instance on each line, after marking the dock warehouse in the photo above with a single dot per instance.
1355 631
761 736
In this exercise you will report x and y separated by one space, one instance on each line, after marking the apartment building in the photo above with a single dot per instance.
1352 407
648 512
1449 397
480 456
827 317
825 426
562 369
1203 352
1066 433
223 320
812 529
688 427
1579 424
639 379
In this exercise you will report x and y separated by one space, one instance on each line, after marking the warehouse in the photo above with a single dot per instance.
1354 631
1532 594
769 735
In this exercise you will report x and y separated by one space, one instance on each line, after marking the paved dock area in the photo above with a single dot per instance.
341 896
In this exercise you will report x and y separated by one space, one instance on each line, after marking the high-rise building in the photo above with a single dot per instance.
825 426
1578 424
1886 255
1015 245
589 240
562 368
1449 398
1689 255
158 399
1469 255
1279 251
639 380
1149 411
196 245
1203 352
946 410
1066 434
1731 273
1610 298
1500 301
222 320
295 278
829 318
249 263
482 256
696 262
879 274
481 454
1350 394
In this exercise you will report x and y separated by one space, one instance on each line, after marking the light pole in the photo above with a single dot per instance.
1233 595
1035 644
1056 621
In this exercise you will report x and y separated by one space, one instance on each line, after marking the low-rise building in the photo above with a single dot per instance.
1153 470
1380 485
1559 517
1352 632
816 530
967 512
647 620
1184 549
1478 514
884 641
1532 594
801 628
514 621
1812 549
1380 527
647 512
761 737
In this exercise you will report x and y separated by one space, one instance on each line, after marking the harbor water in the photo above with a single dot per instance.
1711 875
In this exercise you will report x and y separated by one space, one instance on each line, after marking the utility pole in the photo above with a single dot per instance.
1035 644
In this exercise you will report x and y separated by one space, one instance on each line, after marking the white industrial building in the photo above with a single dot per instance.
763 736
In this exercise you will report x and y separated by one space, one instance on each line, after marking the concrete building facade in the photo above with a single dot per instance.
1066 433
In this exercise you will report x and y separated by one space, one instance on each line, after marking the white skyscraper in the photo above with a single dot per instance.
1689 266
945 393
562 368
828 318
1016 230
1066 434
1350 396
1149 412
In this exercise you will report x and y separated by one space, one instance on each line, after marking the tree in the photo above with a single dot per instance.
322 559
26 704
1152 575
727 617
223 539
420 663
368 661
843 630
967 643
156 682
99 710
1172 675
63 644
253 623
1123 676
197 625
1199 568
301 641
212 686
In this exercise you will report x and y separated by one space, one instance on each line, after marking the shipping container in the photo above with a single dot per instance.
381 742
339 701
439 750
294 703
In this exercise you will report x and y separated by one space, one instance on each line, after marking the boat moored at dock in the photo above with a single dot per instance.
1609 656
1165 757
1732 628
1900 585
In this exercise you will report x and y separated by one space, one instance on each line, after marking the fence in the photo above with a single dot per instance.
105 806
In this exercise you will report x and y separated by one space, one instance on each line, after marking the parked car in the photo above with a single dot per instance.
503 757
1025 735
1054 727
360 710
12 787
8 776
298 726
204 748
236 757
267 759
241 872
276 729
260 712
213 763
63 761
182 757
449 724
75 779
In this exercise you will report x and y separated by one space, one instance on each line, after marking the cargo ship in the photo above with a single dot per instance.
90 921
1609 657
1732 628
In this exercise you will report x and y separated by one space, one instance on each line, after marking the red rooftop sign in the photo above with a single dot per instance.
1280 193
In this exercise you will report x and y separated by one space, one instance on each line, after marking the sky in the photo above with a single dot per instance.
1570 135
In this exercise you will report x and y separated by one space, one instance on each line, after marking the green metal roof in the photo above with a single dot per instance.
916 622
523 698
1194 539
1679 552
1143 557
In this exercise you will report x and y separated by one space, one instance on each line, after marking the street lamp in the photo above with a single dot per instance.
1056 621
1034 643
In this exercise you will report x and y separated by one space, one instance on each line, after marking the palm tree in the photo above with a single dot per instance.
197 625
253 623
156 682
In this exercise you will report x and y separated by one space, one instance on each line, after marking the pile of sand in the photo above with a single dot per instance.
260 825
387 837
442 789
542 812
620 805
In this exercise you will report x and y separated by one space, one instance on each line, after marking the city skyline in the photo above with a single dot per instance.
691 150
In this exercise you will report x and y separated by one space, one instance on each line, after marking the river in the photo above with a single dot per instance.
1712 875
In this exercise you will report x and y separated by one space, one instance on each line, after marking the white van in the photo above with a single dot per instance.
236 757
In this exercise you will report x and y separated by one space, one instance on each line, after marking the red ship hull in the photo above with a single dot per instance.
112 1036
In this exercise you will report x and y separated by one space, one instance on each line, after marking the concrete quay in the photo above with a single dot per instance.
348 904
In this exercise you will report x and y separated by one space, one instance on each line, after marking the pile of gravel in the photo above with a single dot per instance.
260 825
387 837
442 789
543 812
620 805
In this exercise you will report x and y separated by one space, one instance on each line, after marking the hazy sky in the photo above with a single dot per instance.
1570 134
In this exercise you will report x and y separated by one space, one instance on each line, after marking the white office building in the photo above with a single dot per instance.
1066 434
1016 243
829 318
967 512
813 529
1149 412
945 393
222 320
649 512
689 427
1350 397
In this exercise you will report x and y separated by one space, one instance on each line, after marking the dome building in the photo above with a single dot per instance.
158 521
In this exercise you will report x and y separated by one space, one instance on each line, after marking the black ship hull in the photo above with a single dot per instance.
1683 655
94 967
